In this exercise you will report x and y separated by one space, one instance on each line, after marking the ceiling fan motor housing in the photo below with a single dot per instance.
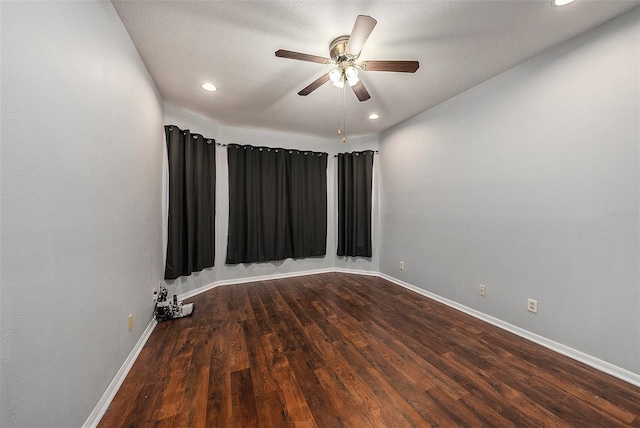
338 50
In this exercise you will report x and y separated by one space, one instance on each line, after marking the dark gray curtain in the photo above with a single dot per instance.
192 187
355 178
277 204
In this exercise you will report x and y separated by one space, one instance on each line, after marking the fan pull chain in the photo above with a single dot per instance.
339 107
344 115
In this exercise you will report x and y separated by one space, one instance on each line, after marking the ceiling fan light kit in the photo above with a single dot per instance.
337 77
351 73
339 74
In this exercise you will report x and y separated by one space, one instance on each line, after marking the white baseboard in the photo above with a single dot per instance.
596 363
215 284
357 272
112 389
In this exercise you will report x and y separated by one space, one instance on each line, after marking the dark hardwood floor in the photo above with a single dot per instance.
338 350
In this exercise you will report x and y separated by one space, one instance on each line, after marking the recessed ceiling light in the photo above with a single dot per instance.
560 2
374 116
208 87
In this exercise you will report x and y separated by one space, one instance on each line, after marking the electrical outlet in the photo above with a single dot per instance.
482 290
532 306
130 322
401 265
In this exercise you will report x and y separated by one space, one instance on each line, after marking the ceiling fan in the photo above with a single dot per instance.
344 51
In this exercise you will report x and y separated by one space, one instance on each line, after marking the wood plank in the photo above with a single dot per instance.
346 374
296 408
497 397
316 397
193 410
263 380
345 404
261 315
430 363
219 405
243 399
387 389
270 410
238 354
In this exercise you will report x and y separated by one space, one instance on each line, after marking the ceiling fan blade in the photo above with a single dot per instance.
302 57
397 66
360 33
315 85
360 91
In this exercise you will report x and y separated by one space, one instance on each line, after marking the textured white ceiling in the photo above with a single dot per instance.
232 43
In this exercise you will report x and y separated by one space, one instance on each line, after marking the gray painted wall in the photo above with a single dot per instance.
81 166
226 134
529 184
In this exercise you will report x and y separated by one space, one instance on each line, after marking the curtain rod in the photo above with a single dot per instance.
335 156
374 152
